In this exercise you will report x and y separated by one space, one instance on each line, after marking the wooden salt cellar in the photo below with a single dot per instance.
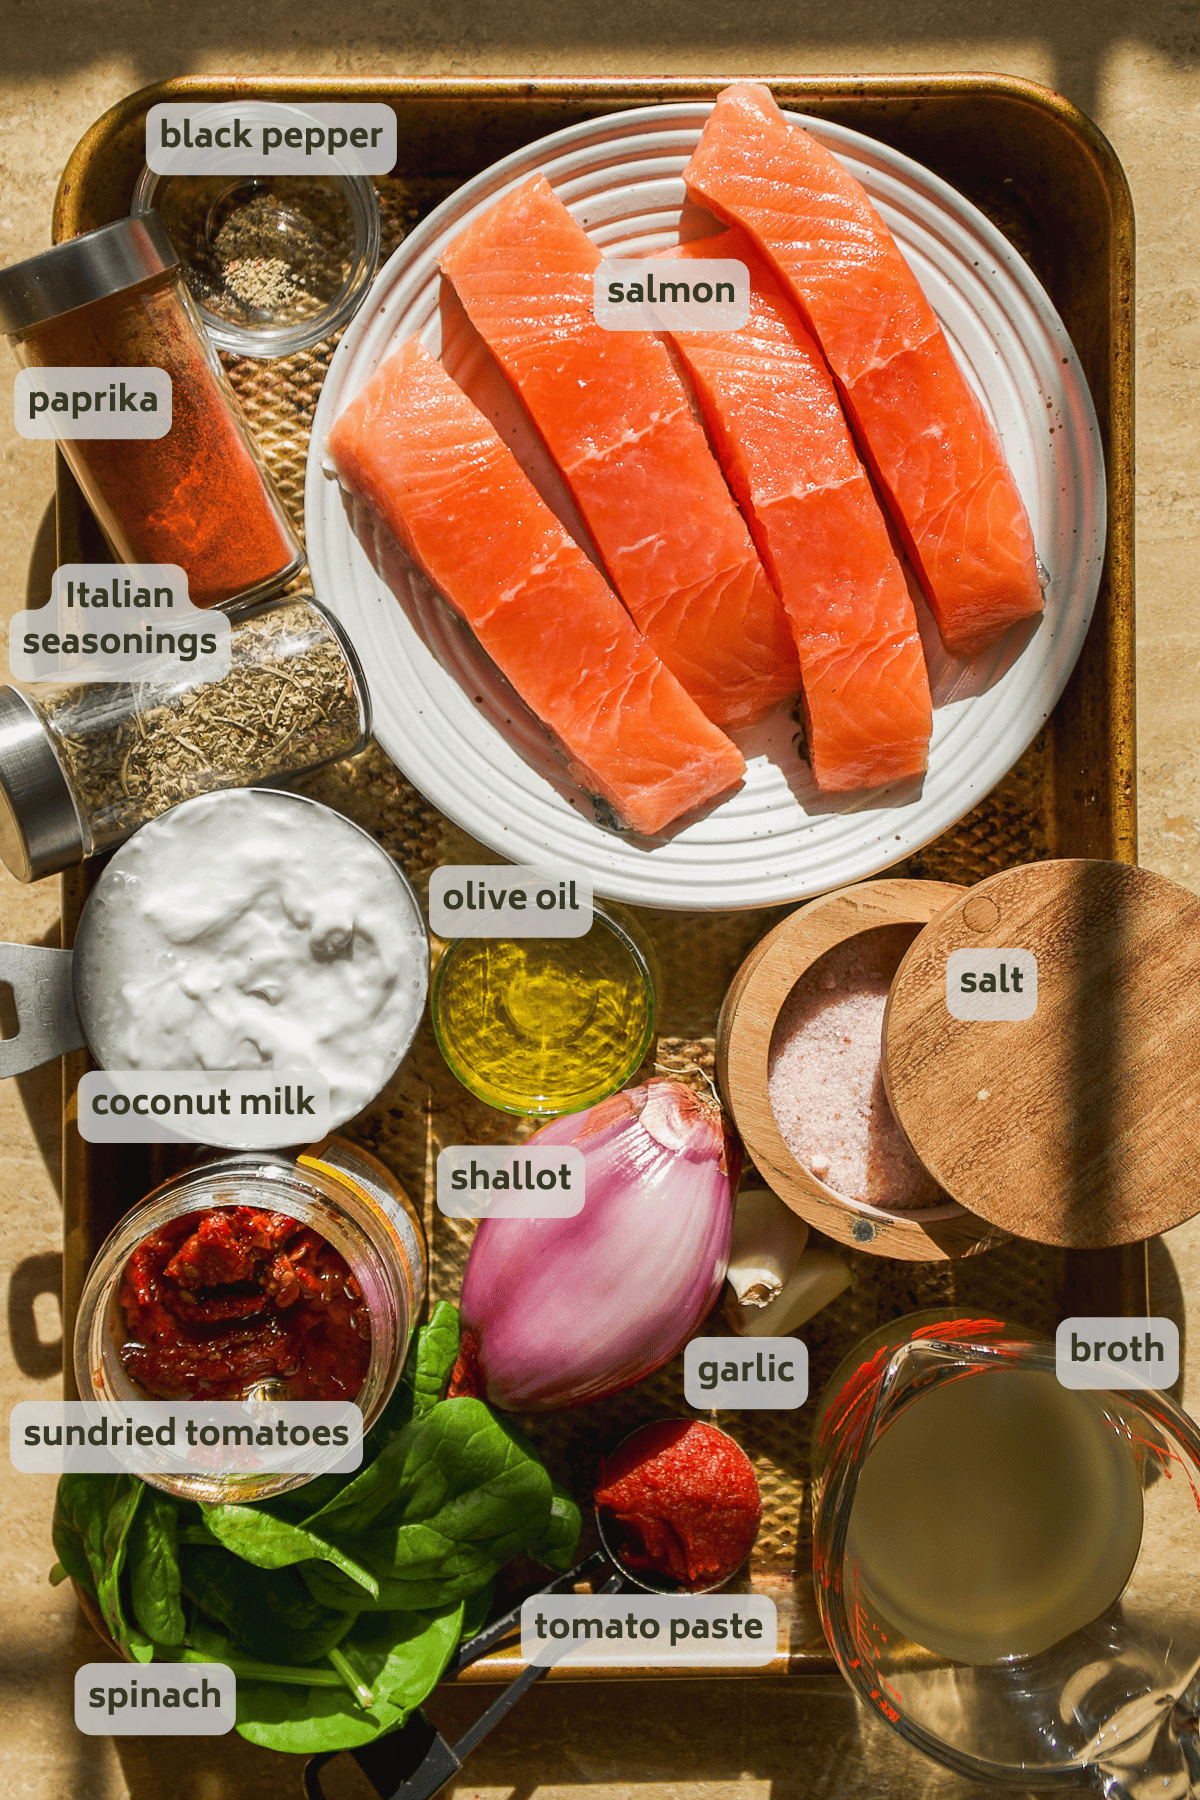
744 1029
1076 1126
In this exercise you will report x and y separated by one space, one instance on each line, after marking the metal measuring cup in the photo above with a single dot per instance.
59 994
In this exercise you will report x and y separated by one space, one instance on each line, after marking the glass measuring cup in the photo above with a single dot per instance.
1111 1703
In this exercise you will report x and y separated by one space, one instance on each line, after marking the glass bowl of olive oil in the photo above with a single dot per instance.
543 1026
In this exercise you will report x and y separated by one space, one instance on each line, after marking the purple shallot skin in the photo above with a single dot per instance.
557 1312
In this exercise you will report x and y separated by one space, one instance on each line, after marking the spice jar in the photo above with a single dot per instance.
83 766
200 496
335 1190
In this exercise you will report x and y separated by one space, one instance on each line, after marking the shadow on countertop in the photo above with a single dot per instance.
457 37
735 1740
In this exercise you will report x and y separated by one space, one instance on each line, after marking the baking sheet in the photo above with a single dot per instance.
1043 174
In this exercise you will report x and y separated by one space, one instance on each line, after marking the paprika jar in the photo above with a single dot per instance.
84 765
199 496
323 1258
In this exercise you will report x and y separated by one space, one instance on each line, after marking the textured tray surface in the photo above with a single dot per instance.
425 1108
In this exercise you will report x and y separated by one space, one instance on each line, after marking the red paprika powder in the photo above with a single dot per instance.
198 496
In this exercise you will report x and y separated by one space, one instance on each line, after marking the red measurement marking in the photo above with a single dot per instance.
867 1375
858 1625
954 1329
853 1392
1162 1456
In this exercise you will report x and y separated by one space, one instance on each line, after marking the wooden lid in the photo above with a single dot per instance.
1078 1125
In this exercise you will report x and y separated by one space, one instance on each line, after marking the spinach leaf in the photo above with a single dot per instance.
401 1656
208 1644
458 1450
400 1593
448 1502
82 1510
117 1526
93 1516
153 1562
266 1611
437 1353
558 1542
271 1543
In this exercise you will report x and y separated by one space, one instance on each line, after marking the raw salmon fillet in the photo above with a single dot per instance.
429 463
773 413
614 415
917 420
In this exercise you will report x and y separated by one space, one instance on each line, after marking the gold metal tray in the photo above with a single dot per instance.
1047 178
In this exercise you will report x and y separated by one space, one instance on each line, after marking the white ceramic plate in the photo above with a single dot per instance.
450 721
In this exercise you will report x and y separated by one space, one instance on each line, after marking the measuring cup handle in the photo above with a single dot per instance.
47 1023
1161 1763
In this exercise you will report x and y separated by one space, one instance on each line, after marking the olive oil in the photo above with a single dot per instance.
996 1514
545 1025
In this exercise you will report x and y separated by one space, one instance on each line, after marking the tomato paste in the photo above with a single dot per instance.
217 1302
680 1501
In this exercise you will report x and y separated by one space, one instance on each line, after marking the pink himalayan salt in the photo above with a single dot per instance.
825 1081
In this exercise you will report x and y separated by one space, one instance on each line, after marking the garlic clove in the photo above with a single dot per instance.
818 1278
768 1238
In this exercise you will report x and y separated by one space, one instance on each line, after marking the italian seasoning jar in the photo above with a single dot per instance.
199 496
83 766
145 1334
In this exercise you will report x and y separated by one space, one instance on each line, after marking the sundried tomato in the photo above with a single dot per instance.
216 1303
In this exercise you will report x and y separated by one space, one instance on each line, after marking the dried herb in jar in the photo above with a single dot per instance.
291 702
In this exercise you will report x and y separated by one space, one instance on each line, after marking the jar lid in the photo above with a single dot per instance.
40 832
83 269
1071 1114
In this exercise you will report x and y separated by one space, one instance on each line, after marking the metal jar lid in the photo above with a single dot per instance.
83 269
40 832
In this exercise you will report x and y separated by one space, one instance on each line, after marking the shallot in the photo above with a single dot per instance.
556 1312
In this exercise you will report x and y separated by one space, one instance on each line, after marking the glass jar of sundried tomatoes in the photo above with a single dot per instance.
256 1276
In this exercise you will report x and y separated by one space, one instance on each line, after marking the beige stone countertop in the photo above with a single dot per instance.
1136 71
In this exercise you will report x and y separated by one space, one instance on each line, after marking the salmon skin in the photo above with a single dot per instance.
429 463
916 418
774 415
614 414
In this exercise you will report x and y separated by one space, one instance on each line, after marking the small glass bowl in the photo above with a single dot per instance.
492 998
273 263
342 1194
